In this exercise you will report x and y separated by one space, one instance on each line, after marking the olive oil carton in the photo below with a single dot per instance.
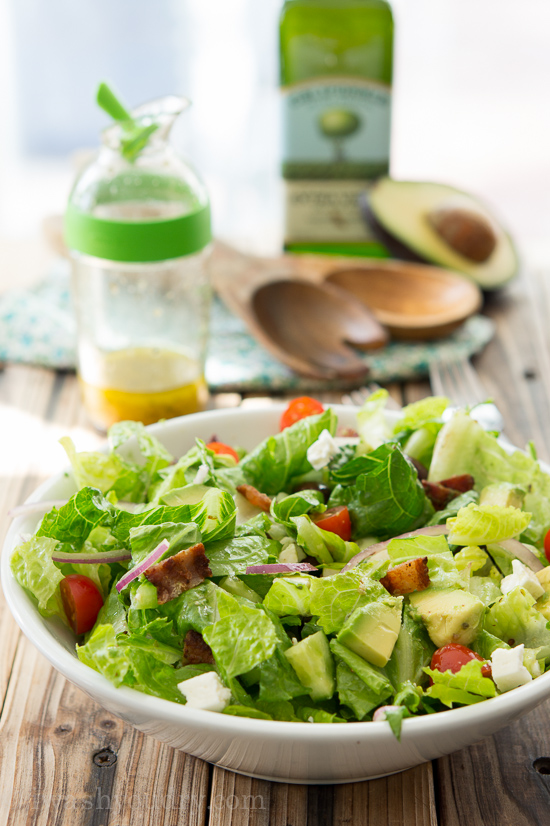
336 73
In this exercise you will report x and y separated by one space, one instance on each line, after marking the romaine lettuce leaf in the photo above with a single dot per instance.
420 413
75 520
166 654
277 679
195 609
351 691
412 652
386 497
334 598
241 641
514 617
104 471
484 588
484 524
273 464
214 514
372 423
464 447
290 595
233 557
377 687
146 538
102 653
465 687
297 504
419 425
325 546
32 566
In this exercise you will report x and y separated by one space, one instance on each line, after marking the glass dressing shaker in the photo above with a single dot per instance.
138 230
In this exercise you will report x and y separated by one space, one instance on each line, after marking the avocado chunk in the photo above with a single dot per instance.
438 224
449 615
503 494
372 630
314 666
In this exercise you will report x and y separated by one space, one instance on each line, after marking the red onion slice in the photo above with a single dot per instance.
521 552
380 713
431 530
281 568
149 560
36 507
93 559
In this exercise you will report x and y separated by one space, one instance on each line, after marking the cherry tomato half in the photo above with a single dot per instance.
299 409
453 656
221 448
335 520
547 546
82 601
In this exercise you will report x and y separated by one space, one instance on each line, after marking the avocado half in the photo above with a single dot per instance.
438 224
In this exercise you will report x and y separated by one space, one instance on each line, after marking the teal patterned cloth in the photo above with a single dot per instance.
37 327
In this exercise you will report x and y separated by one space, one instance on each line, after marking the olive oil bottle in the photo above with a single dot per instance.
336 74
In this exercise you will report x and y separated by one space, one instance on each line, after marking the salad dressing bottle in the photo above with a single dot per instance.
336 74
138 230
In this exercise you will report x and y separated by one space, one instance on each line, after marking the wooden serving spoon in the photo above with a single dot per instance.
306 324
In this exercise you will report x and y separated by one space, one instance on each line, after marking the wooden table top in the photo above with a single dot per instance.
65 761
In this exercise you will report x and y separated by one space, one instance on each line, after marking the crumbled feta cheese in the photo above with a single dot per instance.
310 720
206 691
322 451
522 577
201 475
294 641
507 668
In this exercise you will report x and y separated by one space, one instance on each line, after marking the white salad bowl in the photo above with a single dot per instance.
272 750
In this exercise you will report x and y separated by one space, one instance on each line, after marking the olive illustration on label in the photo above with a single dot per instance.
337 125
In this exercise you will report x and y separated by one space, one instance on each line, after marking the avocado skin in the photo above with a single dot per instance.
401 250
396 248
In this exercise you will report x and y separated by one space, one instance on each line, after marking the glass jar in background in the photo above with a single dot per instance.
138 230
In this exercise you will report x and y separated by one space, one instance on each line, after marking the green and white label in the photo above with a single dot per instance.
336 139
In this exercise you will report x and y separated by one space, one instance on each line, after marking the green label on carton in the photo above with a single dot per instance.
336 140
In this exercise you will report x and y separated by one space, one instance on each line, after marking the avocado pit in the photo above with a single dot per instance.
467 232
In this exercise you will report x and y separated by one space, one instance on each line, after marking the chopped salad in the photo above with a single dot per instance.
326 576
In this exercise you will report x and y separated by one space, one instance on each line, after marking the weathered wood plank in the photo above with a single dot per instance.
64 760
406 799
494 783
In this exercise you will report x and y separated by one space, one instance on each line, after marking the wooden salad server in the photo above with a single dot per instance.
310 326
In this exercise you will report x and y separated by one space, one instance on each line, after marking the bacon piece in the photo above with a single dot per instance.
259 500
179 573
438 494
462 483
408 577
195 650
441 493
